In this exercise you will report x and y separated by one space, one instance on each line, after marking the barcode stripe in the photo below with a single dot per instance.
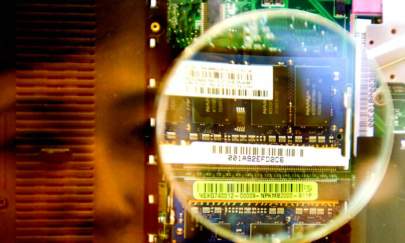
249 150
249 187
201 90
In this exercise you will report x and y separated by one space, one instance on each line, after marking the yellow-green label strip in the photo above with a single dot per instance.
255 190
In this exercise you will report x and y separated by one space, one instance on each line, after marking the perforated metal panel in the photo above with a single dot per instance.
55 120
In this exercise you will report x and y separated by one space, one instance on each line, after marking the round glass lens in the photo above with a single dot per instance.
273 126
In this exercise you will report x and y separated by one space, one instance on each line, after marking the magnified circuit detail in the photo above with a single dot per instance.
284 111
256 128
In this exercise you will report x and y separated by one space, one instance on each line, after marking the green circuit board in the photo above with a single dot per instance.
398 96
187 19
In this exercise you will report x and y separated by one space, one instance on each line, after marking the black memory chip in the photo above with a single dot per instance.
313 96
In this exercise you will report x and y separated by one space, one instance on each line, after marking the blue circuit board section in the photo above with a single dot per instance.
187 230
178 228
251 219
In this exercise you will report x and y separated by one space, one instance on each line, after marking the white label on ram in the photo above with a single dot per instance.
214 153
221 80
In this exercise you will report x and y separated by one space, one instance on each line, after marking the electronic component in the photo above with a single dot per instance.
372 7
273 3
339 9
213 111
266 230
313 94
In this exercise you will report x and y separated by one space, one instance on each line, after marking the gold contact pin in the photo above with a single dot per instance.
155 27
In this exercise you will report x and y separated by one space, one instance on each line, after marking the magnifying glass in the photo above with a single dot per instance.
258 127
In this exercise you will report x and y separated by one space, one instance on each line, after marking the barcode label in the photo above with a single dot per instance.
209 91
255 190
219 153
257 151
221 80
